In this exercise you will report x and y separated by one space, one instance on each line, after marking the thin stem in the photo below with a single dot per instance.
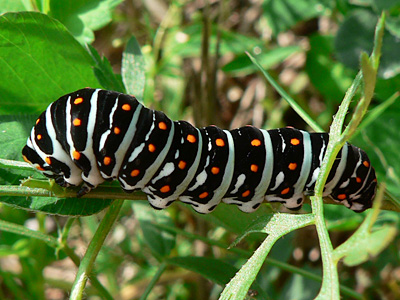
95 245
296 107
153 281
15 164
45 188
21 230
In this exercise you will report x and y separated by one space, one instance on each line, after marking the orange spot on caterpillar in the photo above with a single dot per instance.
285 191
26 159
117 130
220 142
182 165
39 137
191 138
292 166
126 107
366 163
358 179
76 155
48 160
246 193
295 142
37 121
203 195
107 160
78 100
39 168
165 189
254 168
162 126
341 196
135 173
151 148
256 142
215 170
77 122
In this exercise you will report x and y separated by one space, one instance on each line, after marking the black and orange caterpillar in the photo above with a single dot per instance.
93 135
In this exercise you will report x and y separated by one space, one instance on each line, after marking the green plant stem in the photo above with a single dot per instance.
92 251
154 280
330 278
242 281
14 164
45 188
21 230
337 139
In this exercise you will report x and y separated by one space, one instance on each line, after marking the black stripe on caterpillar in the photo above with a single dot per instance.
94 135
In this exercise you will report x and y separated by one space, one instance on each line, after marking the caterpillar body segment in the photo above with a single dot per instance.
93 135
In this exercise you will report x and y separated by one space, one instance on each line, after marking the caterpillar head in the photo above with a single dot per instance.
32 157
357 188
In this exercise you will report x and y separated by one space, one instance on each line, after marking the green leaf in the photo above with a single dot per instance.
134 69
160 242
276 226
82 17
387 5
104 72
39 62
282 15
370 239
393 26
368 245
213 269
267 59
15 5
356 34
328 76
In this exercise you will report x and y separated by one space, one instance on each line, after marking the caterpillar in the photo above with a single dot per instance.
93 135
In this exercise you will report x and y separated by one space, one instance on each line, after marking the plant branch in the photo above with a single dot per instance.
92 251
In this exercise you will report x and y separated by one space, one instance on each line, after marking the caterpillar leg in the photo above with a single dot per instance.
61 182
85 188
293 203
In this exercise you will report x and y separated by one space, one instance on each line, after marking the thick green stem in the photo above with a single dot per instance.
95 245
330 278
